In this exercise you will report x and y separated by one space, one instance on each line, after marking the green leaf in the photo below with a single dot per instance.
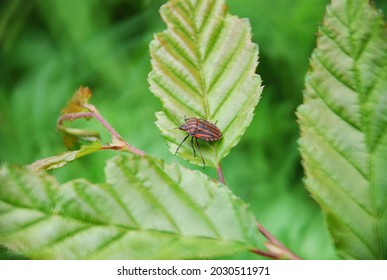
146 210
79 102
203 66
72 137
343 122
64 158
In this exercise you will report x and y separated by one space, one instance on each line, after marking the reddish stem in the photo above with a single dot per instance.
113 132
282 253
264 254
220 174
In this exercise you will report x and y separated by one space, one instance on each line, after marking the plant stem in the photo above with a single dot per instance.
220 174
95 114
264 254
276 249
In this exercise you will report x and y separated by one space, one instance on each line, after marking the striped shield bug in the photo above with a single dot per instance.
199 129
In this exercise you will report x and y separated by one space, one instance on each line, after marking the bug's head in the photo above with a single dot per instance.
181 125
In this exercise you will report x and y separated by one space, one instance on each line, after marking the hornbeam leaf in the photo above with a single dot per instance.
343 122
145 210
203 66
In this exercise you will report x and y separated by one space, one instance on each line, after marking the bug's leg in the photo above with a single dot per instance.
193 148
181 143
200 151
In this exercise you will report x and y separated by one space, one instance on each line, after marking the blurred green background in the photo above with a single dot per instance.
49 48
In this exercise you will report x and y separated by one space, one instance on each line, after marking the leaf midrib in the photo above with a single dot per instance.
365 128
202 84
194 205
89 223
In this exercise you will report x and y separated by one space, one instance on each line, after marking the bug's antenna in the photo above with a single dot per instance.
181 143
177 122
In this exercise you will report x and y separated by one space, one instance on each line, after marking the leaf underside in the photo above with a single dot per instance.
146 210
344 128
203 66
61 160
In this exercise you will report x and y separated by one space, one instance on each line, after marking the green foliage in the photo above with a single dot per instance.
203 66
343 121
146 210
72 46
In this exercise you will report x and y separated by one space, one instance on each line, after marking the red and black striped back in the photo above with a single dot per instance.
201 129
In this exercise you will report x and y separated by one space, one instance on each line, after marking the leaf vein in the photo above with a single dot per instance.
230 59
122 205
333 109
176 51
173 18
105 245
177 100
327 33
338 184
234 119
171 73
150 195
177 189
331 71
324 137
60 239
85 197
27 225
242 78
208 14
